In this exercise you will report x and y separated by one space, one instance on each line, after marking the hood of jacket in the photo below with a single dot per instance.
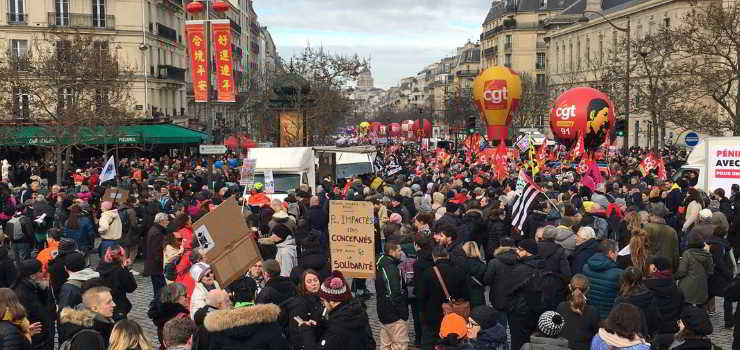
348 315
506 255
547 248
661 286
640 296
79 319
590 244
166 312
242 322
719 241
282 285
491 338
106 268
85 274
701 255
533 261
600 262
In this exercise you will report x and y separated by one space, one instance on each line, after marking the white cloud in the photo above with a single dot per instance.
401 36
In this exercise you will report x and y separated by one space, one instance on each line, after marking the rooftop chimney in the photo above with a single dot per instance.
593 5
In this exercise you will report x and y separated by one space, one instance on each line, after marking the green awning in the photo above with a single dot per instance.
128 134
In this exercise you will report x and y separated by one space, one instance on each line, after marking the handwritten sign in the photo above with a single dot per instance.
352 238
269 182
246 173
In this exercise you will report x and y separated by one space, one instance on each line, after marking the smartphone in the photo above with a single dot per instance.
298 319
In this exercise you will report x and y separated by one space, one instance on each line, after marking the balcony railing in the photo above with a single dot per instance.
17 18
539 66
236 50
466 73
81 20
171 72
541 45
507 47
166 32
508 64
236 27
491 51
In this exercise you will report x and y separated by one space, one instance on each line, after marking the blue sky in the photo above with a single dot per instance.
400 36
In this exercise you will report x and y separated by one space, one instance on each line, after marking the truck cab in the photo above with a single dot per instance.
291 167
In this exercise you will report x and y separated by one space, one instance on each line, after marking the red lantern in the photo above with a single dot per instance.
422 131
585 111
232 142
220 6
194 7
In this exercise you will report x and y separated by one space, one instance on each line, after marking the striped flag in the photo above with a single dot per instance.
521 206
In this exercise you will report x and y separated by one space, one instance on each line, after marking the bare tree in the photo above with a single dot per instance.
74 87
533 105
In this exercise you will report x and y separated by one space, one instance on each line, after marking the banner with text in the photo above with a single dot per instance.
198 51
352 238
224 64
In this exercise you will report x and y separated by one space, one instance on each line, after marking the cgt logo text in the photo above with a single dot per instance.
495 94
566 113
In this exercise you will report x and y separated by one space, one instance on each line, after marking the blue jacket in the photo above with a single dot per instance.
603 276
599 344
82 236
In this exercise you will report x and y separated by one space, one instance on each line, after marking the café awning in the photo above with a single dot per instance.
127 134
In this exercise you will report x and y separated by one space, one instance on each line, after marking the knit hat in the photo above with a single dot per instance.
396 218
484 316
705 214
66 246
697 320
453 323
549 232
335 288
551 323
107 205
28 267
74 261
199 270
529 245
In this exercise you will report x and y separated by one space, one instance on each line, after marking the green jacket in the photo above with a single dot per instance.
693 275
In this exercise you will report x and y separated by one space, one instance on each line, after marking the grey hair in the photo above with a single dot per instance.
160 217
171 292
586 232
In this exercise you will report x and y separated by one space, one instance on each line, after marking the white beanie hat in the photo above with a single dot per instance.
197 271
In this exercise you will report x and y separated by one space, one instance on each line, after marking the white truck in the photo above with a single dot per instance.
291 167
716 163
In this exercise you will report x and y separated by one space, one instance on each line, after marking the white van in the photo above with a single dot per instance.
715 162
291 167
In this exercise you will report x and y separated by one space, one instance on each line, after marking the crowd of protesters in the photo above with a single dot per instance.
622 260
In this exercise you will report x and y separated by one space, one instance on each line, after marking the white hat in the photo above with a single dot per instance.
198 270
705 214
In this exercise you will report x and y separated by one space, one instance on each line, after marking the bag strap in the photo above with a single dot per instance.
442 282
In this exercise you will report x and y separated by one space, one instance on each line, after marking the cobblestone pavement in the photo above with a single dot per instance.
143 295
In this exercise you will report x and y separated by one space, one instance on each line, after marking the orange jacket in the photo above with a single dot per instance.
47 254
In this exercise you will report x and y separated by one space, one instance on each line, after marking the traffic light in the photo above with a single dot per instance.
471 124
620 126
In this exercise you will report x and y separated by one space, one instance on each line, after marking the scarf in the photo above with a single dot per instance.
617 341
23 324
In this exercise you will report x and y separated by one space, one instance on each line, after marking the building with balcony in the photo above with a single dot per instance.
152 47
513 34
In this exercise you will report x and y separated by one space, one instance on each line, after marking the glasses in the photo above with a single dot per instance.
472 323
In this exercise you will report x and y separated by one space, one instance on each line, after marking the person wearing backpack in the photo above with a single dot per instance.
526 294
88 328
109 227
79 228
115 273
130 229
70 294
20 230
392 306
166 204
154 264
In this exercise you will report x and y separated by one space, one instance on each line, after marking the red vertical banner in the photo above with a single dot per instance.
224 62
198 50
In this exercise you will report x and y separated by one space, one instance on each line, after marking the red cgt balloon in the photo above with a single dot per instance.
585 110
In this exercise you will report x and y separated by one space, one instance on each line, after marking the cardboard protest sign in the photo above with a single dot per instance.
269 182
116 194
352 238
229 246
246 172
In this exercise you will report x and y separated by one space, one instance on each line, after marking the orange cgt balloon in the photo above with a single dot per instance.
496 95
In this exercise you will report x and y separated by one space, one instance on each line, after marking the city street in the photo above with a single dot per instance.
140 299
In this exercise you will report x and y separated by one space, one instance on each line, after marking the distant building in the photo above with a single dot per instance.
365 80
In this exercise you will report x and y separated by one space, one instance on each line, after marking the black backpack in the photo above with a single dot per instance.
125 222
170 269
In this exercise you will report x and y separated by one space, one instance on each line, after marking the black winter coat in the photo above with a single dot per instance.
582 253
316 260
8 272
11 337
476 227
497 229
164 313
475 269
307 307
431 296
121 282
317 219
534 220
579 329
39 306
347 328
669 301
276 290
391 291
57 274
643 298
247 328
153 265
722 275
499 274
73 321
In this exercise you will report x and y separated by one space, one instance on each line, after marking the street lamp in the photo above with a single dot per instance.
627 77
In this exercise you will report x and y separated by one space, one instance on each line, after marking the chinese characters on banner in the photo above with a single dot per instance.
224 64
197 46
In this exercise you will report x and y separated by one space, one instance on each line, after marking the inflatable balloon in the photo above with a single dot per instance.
365 125
496 95
395 130
426 129
383 130
583 110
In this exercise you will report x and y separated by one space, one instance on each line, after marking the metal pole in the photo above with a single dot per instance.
145 52
627 89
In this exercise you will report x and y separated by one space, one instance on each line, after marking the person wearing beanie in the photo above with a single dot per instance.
109 227
547 337
704 227
667 297
484 331
79 274
205 282
694 269
35 295
555 260
694 330
347 325
57 274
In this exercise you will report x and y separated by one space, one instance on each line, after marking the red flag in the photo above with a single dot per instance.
662 175
647 164
541 156
500 160
579 148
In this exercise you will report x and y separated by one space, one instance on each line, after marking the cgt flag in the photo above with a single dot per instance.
109 170
198 50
